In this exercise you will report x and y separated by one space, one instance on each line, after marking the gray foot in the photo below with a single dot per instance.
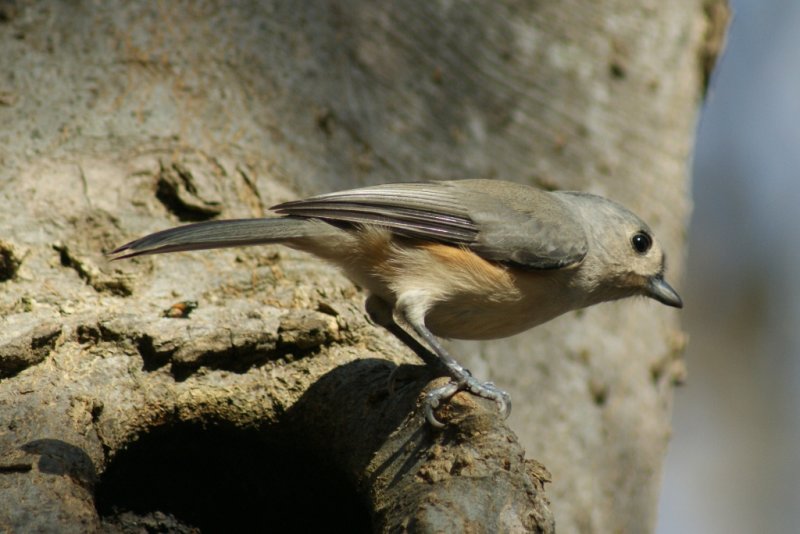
486 390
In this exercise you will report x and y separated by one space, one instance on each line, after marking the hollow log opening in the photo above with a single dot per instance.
216 477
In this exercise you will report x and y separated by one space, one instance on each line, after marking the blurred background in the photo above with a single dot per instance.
734 462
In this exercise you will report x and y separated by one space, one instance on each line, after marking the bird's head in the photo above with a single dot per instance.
624 257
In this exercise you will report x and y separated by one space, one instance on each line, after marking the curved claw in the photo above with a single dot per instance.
488 390
500 397
434 399
504 404
507 411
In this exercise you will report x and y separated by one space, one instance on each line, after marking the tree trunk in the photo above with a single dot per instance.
122 406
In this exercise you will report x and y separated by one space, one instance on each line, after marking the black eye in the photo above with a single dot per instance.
641 242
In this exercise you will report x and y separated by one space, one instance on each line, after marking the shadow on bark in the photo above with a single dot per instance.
347 454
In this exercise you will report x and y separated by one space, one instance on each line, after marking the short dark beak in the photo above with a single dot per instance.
661 291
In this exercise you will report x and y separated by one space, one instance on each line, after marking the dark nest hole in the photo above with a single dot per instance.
218 478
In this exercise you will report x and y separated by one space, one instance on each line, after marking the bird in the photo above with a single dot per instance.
464 259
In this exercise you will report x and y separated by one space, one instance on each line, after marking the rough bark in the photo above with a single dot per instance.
268 403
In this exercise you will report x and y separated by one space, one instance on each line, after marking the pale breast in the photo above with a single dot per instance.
472 298
540 297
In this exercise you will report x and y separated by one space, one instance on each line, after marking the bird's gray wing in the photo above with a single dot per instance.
500 221
524 226
423 210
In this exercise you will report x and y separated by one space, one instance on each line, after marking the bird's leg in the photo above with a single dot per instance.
462 378
381 313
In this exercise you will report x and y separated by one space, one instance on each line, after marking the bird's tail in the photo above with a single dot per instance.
224 233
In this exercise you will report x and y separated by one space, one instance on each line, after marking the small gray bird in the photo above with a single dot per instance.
466 259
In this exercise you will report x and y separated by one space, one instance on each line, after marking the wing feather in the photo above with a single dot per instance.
421 210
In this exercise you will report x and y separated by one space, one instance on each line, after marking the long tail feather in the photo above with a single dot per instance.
216 234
